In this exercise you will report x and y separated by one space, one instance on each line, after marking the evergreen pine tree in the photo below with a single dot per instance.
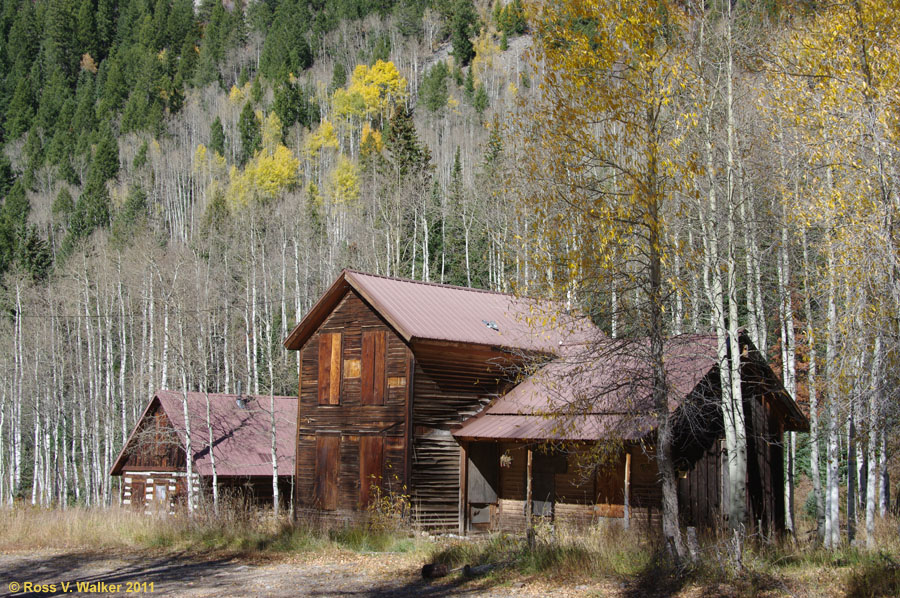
249 129
217 137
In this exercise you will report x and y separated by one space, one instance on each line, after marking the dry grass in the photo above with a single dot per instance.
250 532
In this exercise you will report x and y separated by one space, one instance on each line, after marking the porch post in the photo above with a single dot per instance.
529 529
627 488
463 486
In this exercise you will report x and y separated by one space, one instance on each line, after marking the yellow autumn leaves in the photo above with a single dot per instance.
274 169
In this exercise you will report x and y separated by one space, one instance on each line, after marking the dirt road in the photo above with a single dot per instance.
344 576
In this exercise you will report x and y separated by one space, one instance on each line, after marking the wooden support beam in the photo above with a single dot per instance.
627 488
529 506
463 487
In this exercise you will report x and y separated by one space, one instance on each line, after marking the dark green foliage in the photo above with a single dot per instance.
480 101
216 214
105 164
504 42
7 175
34 255
63 206
286 49
292 105
469 85
381 50
338 76
21 110
13 218
408 16
463 26
249 129
140 158
510 19
86 29
131 217
404 153
433 92
217 137
256 91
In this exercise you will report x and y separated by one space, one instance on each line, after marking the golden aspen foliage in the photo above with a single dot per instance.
343 183
834 95
380 87
323 137
485 50
371 141
237 95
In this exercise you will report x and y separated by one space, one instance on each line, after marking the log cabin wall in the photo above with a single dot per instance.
700 492
353 389
157 492
451 383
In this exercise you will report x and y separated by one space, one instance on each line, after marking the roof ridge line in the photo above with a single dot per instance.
438 284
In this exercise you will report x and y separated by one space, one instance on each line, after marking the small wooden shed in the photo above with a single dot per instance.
153 461
576 440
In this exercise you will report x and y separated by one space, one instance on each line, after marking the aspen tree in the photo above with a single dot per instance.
612 73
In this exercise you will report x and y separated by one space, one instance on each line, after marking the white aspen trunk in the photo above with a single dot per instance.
426 250
164 374
188 449
788 353
212 458
17 398
253 318
3 469
872 442
123 352
737 456
151 353
884 497
832 510
813 395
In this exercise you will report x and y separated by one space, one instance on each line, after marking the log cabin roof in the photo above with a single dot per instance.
423 311
242 441
606 393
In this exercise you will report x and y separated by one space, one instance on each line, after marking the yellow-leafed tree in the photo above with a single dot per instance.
602 176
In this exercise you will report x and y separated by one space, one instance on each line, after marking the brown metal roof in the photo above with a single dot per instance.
604 393
242 441
436 312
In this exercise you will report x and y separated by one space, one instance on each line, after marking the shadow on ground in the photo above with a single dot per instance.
54 569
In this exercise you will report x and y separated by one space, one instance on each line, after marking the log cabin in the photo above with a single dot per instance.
442 394
153 462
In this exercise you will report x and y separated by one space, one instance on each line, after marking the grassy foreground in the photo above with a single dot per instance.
627 559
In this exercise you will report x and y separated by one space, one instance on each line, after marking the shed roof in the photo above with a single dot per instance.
242 440
603 393
423 311
607 393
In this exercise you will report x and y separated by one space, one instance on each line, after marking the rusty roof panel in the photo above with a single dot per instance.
242 440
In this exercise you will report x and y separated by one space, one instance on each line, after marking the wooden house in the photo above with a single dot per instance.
388 367
153 462
395 377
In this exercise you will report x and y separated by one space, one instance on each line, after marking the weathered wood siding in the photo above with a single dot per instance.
350 407
582 494
451 383
155 445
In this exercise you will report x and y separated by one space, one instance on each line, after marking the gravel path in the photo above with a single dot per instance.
345 576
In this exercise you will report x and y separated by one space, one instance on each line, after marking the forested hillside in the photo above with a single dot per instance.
180 183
